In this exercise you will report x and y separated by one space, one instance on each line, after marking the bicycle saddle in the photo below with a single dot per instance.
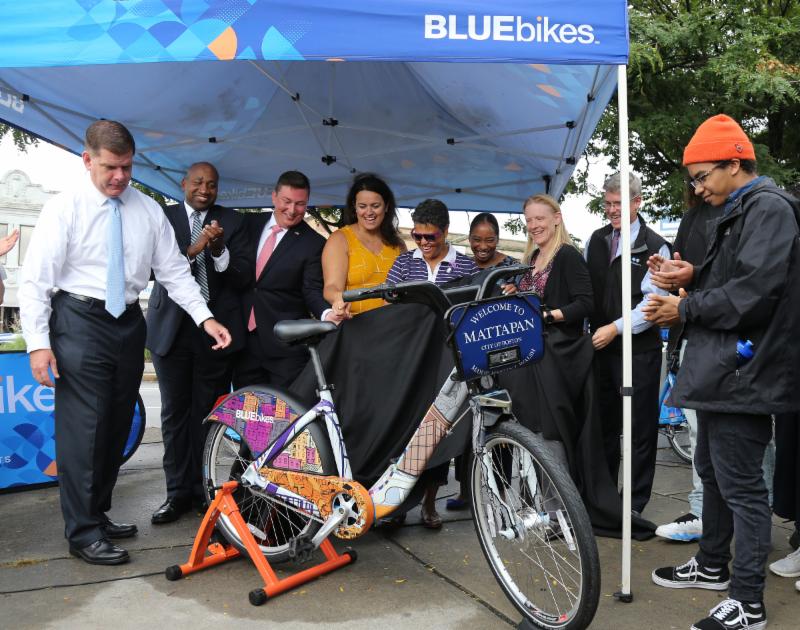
302 330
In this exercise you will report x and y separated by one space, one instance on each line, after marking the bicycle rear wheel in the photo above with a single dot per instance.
534 530
678 437
273 524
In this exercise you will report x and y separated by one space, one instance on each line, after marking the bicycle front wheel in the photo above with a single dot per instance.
534 530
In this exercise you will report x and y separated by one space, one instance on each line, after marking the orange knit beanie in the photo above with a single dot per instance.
718 138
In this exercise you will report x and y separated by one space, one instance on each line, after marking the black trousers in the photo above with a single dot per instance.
729 457
100 362
644 417
191 379
251 367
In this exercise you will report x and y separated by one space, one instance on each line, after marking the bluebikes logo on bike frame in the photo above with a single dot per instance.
497 335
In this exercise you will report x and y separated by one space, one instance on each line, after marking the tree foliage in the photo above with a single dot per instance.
21 139
691 59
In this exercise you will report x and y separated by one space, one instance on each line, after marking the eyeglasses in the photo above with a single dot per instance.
700 180
615 205
428 238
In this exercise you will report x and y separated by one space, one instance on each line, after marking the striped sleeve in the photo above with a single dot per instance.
399 269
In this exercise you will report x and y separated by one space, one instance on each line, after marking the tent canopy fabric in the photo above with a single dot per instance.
273 88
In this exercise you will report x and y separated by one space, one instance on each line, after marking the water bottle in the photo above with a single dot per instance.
744 352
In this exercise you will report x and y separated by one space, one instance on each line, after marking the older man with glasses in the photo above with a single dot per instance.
604 256
741 363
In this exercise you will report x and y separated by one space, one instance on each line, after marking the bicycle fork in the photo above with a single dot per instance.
505 519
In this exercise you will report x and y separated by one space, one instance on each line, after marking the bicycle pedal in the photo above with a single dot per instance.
301 550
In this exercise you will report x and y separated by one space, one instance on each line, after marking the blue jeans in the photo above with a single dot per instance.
729 458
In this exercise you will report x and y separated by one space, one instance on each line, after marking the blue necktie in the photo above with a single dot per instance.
115 274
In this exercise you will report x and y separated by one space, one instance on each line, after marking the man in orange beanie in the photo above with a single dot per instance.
741 362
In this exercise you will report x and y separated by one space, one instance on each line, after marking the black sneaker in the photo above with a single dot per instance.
734 615
794 540
693 575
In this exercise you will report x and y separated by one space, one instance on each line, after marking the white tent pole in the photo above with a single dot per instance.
627 381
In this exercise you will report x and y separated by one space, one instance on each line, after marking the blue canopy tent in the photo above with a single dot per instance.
479 136
261 86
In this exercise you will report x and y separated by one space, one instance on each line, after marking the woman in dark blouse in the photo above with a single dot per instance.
556 396
558 273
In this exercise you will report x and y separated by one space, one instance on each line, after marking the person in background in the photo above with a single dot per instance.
190 375
786 502
434 260
6 245
604 255
746 296
361 253
484 236
91 254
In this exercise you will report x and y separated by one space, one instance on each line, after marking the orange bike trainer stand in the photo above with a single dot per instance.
224 503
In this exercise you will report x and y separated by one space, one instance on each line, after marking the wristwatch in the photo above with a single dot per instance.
548 317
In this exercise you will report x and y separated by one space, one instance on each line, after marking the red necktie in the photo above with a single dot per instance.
261 262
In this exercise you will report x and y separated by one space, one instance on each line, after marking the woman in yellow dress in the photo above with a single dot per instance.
361 253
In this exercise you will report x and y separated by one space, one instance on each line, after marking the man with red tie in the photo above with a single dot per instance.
287 285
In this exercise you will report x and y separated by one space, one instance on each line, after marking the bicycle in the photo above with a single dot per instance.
672 423
295 486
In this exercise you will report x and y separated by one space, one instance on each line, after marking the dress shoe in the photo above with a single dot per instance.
118 530
101 552
170 511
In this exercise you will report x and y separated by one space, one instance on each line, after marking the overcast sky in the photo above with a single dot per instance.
55 168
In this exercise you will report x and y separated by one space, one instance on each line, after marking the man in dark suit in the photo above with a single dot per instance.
287 285
190 375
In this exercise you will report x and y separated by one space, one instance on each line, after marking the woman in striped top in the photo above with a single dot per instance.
434 260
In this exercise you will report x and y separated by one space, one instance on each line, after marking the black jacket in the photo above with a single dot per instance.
607 283
289 287
748 287
164 316
569 289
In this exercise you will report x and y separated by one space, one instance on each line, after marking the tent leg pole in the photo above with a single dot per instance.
625 595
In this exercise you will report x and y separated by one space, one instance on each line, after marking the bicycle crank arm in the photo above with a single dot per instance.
332 523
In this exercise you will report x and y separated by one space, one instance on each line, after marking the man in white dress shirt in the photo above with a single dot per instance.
96 245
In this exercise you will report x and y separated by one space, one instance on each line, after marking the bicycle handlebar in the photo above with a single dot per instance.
427 293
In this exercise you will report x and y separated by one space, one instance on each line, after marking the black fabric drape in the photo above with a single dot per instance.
557 397
387 366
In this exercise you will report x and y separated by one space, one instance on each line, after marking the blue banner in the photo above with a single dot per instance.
27 426
80 32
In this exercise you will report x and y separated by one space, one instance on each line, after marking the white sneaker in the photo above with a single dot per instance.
788 566
797 585
686 528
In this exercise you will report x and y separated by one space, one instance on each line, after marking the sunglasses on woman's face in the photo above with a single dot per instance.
428 238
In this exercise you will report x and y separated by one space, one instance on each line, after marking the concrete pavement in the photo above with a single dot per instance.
404 578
